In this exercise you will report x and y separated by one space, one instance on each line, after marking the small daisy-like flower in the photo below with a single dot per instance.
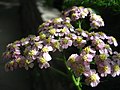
104 68
103 57
28 64
115 70
88 50
87 57
98 43
65 42
55 44
38 44
112 40
92 78
79 42
46 49
72 60
43 63
32 52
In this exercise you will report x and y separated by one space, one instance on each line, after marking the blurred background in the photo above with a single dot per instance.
19 18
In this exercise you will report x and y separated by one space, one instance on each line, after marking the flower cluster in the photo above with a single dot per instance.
59 34
77 13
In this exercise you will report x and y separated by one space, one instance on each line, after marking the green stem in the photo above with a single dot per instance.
76 81
58 71
90 29
79 23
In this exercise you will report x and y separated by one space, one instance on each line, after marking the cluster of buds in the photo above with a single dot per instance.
59 34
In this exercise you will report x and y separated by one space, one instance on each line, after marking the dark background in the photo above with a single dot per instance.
19 18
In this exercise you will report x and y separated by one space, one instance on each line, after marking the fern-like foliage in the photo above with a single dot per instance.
112 4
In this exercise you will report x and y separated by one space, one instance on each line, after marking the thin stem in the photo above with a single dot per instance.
79 23
76 81
58 71
90 29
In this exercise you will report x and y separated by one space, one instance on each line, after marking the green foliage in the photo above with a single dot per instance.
112 4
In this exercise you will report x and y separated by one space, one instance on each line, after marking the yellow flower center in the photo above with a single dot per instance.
87 49
11 62
42 36
79 40
107 46
93 77
103 57
72 59
32 52
56 44
52 31
42 60
45 49
48 40
27 62
63 30
85 58
65 41
116 68
105 68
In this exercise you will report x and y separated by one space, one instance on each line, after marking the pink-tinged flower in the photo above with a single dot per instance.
38 44
112 40
36 38
72 36
81 32
104 68
83 12
43 63
96 21
32 52
67 20
116 57
106 50
61 32
79 42
28 64
46 49
98 43
87 58
76 64
103 57
101 35
72 60
9 66
47 56
52 31
80 69
44 25
55 44
65 42
88 50
92 78
115 70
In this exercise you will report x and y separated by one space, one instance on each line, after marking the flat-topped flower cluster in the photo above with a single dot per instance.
59 34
